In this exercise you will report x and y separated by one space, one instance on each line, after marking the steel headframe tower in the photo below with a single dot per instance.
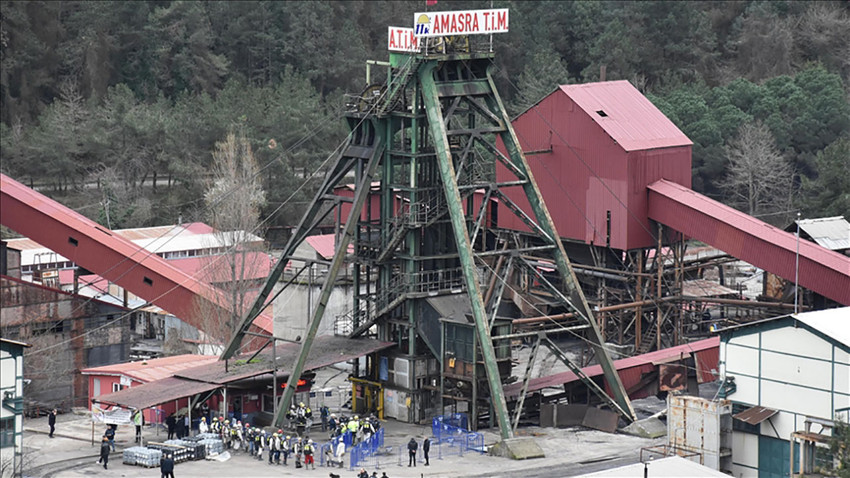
432 132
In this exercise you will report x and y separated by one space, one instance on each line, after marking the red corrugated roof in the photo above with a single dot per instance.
155 369
258 265
630 118
325 245
622 365
747 238
326 350
155 393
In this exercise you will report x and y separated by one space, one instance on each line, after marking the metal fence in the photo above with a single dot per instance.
451 436
368 450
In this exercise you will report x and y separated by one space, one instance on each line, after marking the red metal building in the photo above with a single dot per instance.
112 378
593 149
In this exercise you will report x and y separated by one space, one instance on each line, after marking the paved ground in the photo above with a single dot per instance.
568 452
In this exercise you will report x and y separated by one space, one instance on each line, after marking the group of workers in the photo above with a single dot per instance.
259 442
361 429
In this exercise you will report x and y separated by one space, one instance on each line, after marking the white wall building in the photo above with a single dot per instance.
295 305
11 411
779 373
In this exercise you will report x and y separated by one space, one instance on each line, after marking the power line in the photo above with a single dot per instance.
233 247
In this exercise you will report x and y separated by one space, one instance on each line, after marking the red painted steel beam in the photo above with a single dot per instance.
747 238
109 255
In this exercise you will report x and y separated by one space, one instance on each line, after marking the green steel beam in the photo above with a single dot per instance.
560 355
312 217
351 224
461 234
570 282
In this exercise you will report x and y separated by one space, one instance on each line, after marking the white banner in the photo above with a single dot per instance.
116 416
402 39
461 22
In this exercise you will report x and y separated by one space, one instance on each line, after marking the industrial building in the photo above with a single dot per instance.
788 379
455 257
465 234
12 410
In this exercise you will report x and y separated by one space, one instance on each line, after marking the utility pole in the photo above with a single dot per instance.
797 266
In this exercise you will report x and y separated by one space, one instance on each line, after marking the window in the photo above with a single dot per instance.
117 387
56 327
106 355
7 432
12 331
268 405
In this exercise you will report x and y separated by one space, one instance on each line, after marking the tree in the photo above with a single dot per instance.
758 180
828 194
839 445
184 59
59 147
764 44
233 199
541 76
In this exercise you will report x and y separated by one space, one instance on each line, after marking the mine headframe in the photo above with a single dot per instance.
432 136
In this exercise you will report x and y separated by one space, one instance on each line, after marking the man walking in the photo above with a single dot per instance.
426 447
104 452
51 420
308 455
412 446
166 466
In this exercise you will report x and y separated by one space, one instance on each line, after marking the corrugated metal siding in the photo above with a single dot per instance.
830 232
582 182
745 237
707 364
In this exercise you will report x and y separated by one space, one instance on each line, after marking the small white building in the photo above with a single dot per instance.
784 375
304 278
11 412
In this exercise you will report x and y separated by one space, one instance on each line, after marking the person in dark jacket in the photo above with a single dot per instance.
166 466
426 447
180 427
104 452
51 420
110 436
412 446
170 422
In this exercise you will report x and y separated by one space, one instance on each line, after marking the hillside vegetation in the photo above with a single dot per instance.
115 107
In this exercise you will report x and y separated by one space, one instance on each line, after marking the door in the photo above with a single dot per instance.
237 407
774 457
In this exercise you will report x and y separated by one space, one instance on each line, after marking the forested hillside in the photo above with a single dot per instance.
115 107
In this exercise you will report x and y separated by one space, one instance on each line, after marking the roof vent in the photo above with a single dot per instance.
602 113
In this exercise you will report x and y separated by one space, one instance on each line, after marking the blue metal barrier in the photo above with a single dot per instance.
453 438
368 448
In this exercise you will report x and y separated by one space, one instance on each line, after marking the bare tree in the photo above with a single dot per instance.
234 198
759 180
